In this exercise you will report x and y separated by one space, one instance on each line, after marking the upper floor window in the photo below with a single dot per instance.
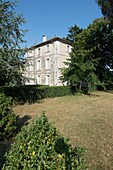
31 66
30 63
47 63
31 51
38 51
47 48
68 48
38 65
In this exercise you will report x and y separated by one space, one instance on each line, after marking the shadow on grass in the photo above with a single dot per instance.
92 95
107 91
22 121
28 102
6 144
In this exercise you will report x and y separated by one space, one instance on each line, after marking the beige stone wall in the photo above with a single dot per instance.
46 61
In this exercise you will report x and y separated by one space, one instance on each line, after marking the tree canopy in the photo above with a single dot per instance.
11 36
106 8
91 59
73 31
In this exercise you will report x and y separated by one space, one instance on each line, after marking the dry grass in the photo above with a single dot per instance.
86 120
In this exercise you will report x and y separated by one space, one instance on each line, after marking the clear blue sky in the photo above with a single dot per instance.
54 17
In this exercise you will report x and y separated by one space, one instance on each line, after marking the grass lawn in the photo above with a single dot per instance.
86 120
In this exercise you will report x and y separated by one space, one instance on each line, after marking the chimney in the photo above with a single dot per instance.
44 38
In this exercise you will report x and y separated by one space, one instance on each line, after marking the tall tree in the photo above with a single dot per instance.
92 55
73 31
11 36
106 8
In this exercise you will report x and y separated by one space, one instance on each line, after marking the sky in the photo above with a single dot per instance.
55 17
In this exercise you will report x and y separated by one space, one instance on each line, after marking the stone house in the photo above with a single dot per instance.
44 60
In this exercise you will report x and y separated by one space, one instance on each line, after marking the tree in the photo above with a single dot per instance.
11 36
81 65
73 31
101 36
92 56
106 8
8 120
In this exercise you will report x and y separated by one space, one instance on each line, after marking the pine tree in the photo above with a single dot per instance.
73 31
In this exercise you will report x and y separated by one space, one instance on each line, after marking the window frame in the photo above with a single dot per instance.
47 79
67 48
47 63
38 79
39 50
47 48
30 65
38 64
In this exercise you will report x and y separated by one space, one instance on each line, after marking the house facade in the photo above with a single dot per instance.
44 60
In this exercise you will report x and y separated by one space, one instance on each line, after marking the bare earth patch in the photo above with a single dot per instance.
86 120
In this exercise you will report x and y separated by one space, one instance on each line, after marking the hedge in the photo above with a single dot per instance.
33 93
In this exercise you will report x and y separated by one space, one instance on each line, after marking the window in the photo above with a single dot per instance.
47 48
68 48
38 51
30 63
47 63
47 79
38 79
30 66
38 65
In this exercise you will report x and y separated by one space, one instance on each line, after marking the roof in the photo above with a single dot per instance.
51 41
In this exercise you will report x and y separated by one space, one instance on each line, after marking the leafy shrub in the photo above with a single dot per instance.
7 118
40 147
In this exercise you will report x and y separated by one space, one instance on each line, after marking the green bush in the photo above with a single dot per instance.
55 91
23 94
33 93
7 117
40 147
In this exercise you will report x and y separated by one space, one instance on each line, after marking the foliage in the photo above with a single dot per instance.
101 36
33 93
106 8
91 60
23 94
7 117
56 91
73 31
11 55
40 146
